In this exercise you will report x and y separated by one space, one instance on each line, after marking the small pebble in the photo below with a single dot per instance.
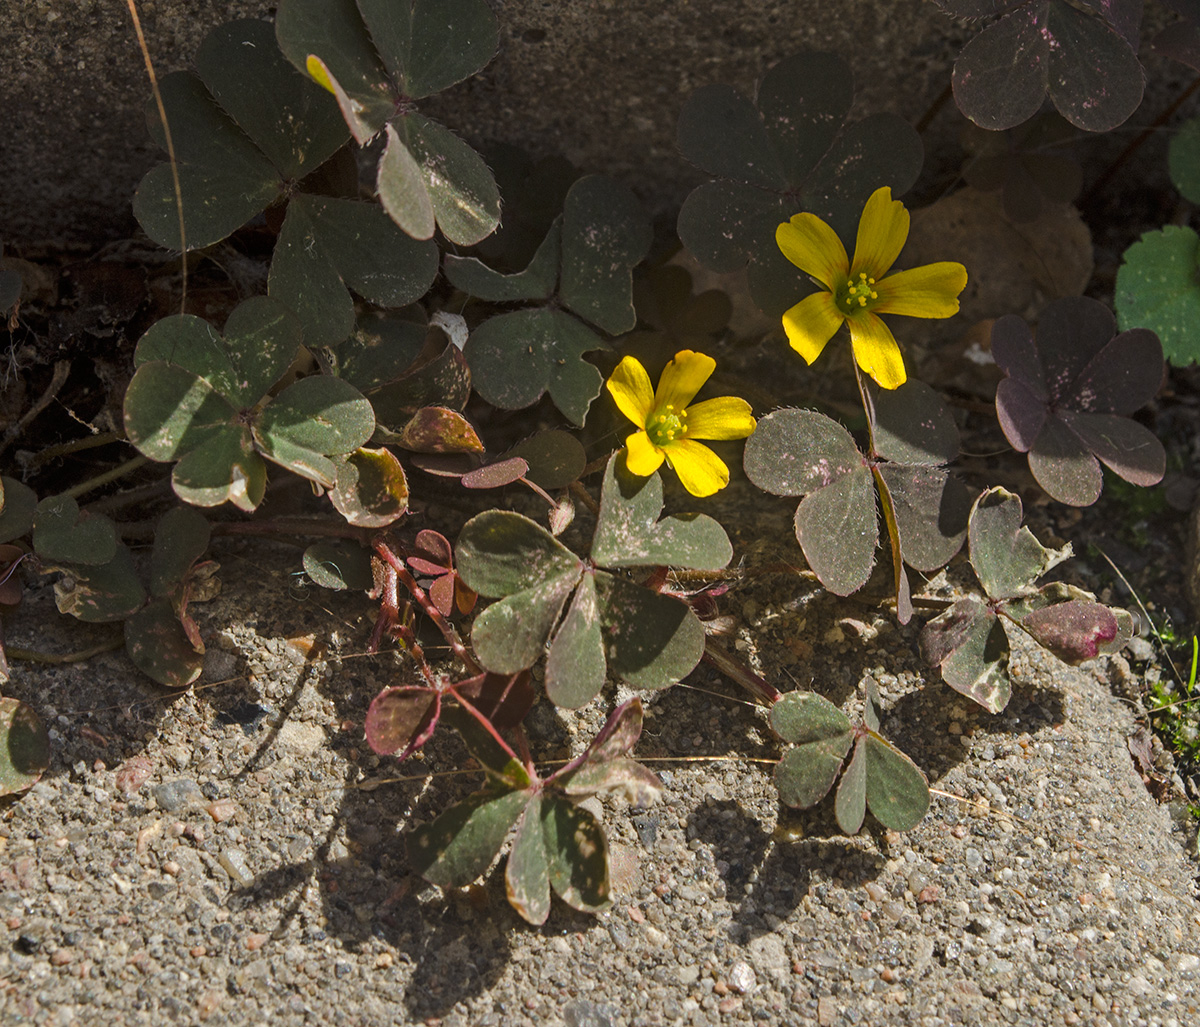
255 941
741 977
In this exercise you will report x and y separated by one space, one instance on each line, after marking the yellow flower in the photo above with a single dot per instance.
669 427
860 290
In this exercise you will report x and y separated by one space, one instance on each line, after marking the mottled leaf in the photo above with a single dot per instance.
24 747
517 357
459 845
159 646
63 534
370 488
629 533
821 735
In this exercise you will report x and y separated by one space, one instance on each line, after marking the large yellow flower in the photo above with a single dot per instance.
859 291
670 428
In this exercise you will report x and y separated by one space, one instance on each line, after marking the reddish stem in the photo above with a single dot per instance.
395 565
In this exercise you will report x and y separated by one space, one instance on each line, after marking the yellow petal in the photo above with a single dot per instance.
814 248
642 457
700 470
726 418
630 387
876 352
927 291
882 230
811 323
681 379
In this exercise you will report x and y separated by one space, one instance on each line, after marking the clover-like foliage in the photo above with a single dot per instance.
1028 164
1158 287
1067 397
249 131
558 846
611 624
202 399
378 57
803 453
584 265
101 584
879 777
791 149
1082 53
970 641
401 719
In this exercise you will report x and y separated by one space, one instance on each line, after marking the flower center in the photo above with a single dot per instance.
666 425
857 294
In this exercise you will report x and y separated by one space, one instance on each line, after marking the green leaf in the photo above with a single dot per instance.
850 803
1158 287
516 357
801 452
897 793
371 490
290 118
17 505
170 412
159 646
500 553
311 420
536 282
970 645
510 634
402 189
1183 159
429 45
555 458
440 381
605 233
339 565
575 666
382 348
462 192
527 875
1006 557
459 845
24 747
652 640
328 245
637 784
821 734
179 541
224 467
333 30
97 594
628 533
224 179
61 534
260 340
578 855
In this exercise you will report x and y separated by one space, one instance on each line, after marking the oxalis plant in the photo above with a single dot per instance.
405 322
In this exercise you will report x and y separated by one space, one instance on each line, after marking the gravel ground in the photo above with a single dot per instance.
230 855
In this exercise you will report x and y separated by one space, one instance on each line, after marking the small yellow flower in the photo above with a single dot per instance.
670 428
859 291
